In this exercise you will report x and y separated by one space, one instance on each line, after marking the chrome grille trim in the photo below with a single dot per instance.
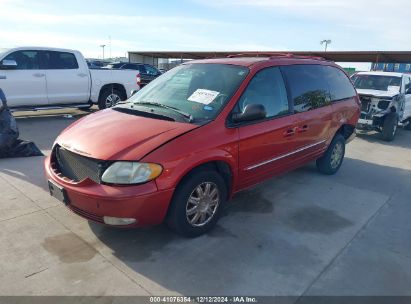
76 167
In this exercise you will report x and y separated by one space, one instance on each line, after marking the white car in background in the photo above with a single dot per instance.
37 78
385 101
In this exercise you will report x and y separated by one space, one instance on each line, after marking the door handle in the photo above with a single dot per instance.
302 129
3 77
289 132
82 75
38 75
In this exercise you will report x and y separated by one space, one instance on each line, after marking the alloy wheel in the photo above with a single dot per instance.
112 100
336 155
202 204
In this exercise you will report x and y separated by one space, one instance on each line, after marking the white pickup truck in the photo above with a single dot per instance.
38 78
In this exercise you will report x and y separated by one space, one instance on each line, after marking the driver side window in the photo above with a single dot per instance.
26 60
407 83
268 89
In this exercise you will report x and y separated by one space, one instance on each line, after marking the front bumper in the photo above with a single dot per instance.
94 201
368 122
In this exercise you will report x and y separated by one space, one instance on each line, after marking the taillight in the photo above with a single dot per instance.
138 79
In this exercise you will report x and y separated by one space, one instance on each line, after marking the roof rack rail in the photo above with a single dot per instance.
275 55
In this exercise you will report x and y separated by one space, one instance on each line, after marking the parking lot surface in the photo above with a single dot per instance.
299 234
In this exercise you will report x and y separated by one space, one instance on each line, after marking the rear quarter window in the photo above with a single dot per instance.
339 84
315 86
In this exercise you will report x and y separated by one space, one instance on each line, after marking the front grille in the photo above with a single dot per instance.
365 103
383 104
77 167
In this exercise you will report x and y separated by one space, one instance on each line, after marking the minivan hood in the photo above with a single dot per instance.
112 135
377 93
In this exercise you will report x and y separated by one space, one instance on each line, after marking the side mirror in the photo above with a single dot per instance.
8 64
408 91
251 112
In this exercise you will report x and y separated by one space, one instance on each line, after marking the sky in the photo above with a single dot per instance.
205 25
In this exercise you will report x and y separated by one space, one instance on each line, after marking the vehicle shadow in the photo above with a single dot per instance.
270 238
402 138
44 128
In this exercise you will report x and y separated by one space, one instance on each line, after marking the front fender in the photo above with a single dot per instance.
174 171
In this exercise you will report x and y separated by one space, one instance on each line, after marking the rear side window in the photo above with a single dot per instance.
307 87
60 61
266 88
315 86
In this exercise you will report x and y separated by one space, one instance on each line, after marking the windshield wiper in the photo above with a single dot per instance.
160 105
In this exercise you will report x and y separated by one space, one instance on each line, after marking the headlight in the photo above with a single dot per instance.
123 172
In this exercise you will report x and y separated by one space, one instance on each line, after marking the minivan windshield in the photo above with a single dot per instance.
198 90
377 82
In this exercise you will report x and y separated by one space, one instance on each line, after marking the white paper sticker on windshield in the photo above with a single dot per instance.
393 89
203 96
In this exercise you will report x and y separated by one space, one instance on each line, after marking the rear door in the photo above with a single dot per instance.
26 84
67 80
311 103
264 145
343 98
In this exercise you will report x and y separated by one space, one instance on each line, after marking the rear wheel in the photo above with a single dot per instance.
389 127
109 98
331 161
196 205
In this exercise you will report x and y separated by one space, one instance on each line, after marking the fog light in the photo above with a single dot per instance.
118 221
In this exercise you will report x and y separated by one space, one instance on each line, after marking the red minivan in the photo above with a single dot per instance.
187 142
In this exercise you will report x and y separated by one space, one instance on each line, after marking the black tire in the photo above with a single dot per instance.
408 126
102 100
177 217
389 127
329 163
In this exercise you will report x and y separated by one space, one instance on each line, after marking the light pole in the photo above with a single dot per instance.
102 46
326 42
109 39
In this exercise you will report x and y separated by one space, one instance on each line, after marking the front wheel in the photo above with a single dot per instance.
332 160
408 125
389 127
196 205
